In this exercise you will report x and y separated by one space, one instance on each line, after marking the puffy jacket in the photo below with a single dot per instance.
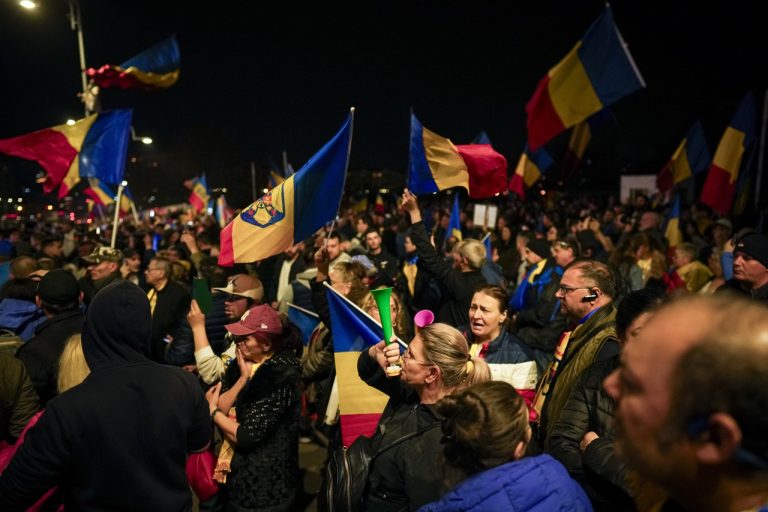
20 317
532 484
598 469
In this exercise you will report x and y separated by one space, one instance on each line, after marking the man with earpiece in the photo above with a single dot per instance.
586 294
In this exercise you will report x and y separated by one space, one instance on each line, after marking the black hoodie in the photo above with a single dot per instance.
119 440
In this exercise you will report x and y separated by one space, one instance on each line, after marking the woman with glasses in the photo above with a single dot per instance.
436 364
485 435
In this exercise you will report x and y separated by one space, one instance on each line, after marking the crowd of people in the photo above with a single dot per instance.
579 364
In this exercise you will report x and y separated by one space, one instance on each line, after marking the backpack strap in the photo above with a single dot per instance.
405 438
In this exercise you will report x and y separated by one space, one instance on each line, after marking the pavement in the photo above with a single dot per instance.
311 459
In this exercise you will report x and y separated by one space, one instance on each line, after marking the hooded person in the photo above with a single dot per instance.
141 418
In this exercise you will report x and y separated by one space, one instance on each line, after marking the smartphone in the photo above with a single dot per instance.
202 294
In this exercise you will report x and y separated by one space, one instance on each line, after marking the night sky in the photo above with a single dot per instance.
283 78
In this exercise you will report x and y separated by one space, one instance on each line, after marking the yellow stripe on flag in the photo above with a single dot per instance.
355 396
447 166
270 226
569 87
729 152
75 135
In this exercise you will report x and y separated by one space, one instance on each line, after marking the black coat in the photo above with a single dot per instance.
458 287
170 311
599 470
265 467
41 354
408 475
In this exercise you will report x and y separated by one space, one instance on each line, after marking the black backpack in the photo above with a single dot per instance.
346 474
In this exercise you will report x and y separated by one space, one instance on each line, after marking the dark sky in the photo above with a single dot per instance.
264 79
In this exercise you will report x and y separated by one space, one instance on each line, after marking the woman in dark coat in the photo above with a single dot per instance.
263 387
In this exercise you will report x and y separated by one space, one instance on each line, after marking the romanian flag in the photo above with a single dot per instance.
305 320
690 158
724 171
378 206
200 195
529 169
224 213
436 164
126 202
295 209
672 232
154 68
597 72
94 147
99 192
454 224
487 170
488 247
360 405
360 206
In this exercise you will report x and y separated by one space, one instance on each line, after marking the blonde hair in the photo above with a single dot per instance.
473 250
446 348
72 366
399 321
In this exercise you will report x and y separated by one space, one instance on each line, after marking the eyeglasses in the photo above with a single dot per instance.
565 290
408 355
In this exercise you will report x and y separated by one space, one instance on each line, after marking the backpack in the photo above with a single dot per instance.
346 474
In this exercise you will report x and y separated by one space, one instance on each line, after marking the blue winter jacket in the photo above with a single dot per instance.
21 317
539 484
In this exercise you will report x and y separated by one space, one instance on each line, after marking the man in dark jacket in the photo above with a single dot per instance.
169 304
119 440
459 282
59 296
750 267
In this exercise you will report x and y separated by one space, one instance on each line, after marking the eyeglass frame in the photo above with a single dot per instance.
408 355
565 290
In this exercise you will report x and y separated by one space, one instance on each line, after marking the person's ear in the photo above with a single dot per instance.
519 450
39 303
719 442
433 375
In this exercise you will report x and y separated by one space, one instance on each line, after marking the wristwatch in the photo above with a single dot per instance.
214 412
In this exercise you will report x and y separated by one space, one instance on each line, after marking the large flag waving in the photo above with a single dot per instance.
94 147
293 210
724 171
437 164
360 405
690 158
100 193
154 68
597 72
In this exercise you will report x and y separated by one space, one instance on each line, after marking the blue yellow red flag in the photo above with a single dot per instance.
93 147
200 195
154 68
454 224
530 167
597 72
293 210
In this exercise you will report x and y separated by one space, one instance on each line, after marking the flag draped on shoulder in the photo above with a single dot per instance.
689 159
154 68
360 405
530 167
293 210
597 72
724 172
200 195
93 147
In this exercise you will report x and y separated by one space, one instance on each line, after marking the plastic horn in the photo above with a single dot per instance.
382 296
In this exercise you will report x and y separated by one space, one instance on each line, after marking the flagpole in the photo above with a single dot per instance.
761 153
369 317
117 213
285 163
305 311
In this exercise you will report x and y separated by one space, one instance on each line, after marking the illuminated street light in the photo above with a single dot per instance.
70 122
146 140
28 4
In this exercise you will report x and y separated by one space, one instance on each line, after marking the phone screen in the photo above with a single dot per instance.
202 294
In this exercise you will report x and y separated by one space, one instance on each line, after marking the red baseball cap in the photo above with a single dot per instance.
261 318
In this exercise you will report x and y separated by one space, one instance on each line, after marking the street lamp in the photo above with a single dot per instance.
87 96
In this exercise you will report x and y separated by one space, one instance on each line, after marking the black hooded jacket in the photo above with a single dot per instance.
119 440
